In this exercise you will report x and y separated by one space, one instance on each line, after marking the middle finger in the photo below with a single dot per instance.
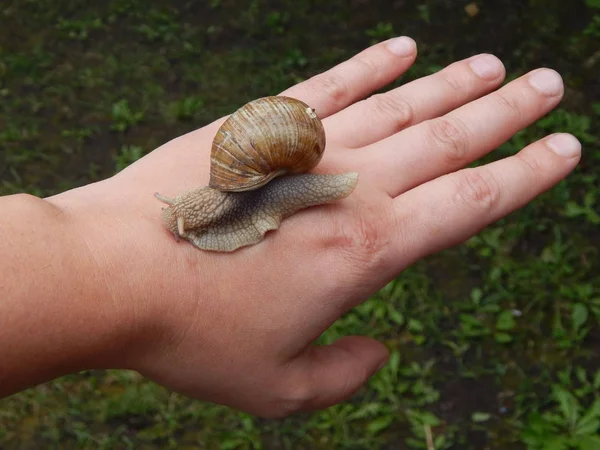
383 115
448 143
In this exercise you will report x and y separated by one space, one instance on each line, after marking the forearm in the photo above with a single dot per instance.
55 312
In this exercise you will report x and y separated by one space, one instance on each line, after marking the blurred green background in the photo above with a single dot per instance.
495 343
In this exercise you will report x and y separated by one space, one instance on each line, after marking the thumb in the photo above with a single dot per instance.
335 372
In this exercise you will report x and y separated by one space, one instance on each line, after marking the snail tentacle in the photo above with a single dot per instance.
162 198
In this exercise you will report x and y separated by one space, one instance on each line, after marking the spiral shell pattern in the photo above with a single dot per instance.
265 138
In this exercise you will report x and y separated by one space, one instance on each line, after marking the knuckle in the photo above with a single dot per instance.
364 236
334 85
292 397
476 188
394 108
451 136
536 163
370 65
455 84
509 103
532 164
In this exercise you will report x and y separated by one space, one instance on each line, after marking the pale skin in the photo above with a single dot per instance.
91 279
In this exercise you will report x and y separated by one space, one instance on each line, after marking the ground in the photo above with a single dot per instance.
495 343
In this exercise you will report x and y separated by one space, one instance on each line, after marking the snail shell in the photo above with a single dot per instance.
265 138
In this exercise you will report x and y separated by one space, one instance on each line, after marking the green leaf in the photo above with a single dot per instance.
502 338
379 424
419 418
439 441
579 315
572 209
366 410
394 363
597 380
587 425
476 295
593 3
429 419
590 422
505 321
538 427
415 326
469 320
581 374
557 443
414 443
568 404
479 416
396 317
589 443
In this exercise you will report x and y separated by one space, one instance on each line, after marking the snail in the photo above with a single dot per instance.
259 174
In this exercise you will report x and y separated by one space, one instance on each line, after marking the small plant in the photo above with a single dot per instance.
588 210
127 155
124 117
277 21
380 32
505 323
577 124
78 134
593 28
79 29
424 13
295 59
567 425
185 109
160 26
423 424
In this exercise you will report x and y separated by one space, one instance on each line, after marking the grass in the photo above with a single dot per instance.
494 343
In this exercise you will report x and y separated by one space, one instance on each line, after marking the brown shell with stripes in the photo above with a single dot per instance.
265 138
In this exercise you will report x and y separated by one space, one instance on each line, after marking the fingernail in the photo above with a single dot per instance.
565 145
402 46
546 81
487 67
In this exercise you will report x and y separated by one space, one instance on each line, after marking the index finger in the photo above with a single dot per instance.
357 77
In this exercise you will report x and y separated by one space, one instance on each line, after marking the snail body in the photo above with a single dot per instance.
260 157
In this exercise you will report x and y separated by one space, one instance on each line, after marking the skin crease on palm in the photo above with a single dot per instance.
238 328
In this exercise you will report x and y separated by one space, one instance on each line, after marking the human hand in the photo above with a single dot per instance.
238 328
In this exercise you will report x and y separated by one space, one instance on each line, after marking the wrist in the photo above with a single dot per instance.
56 315
125 272
101 316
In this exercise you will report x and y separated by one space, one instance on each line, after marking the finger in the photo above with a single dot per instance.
332 90
335 372
369 70
448 143
383 115
453 208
